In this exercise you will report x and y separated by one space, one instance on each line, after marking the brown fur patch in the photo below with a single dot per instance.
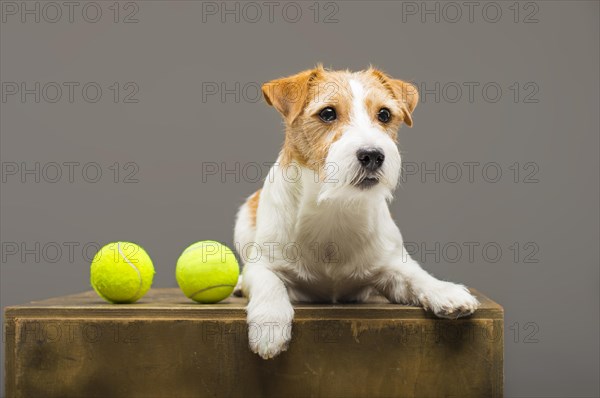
252 203
405 93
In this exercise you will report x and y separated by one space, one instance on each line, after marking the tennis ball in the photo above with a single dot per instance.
207 272
121 272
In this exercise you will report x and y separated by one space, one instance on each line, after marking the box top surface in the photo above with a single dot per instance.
172 304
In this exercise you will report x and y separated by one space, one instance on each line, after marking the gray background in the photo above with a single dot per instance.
171 132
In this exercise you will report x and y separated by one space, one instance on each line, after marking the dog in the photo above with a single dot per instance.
320 229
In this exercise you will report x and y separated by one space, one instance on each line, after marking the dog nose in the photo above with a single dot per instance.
370 159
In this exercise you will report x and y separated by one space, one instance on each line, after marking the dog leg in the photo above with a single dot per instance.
238 288
406 282
270 312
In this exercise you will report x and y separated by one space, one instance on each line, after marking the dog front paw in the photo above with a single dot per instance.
448 300
270 328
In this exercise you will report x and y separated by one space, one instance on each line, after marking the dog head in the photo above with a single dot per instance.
344 126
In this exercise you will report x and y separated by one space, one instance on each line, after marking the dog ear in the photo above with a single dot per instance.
288 95
406 93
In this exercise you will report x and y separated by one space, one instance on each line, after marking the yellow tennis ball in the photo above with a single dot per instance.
121 272
207 271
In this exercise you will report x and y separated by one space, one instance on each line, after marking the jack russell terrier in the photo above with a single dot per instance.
320 229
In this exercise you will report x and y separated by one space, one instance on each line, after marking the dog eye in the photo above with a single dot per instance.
384 115
328 114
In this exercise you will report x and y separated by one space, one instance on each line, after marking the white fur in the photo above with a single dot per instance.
322 239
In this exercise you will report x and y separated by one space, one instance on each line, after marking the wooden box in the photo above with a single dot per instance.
167 346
